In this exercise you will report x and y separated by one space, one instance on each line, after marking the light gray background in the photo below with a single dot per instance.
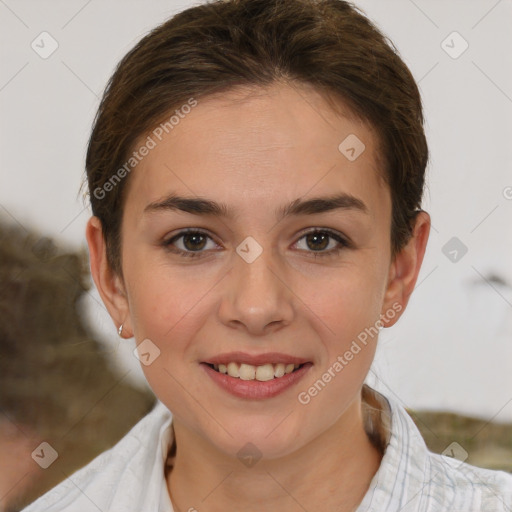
453 347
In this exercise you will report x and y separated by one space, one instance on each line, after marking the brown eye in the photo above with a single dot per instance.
191 243
317 241
194 241
322 242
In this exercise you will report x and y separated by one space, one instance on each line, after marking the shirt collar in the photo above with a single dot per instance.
400 477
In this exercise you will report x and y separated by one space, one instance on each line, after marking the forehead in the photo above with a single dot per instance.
249 147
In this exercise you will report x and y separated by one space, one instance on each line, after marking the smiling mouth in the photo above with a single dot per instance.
263 372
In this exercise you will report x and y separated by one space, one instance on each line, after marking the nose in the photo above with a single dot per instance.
256 297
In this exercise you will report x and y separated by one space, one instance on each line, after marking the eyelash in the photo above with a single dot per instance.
343 243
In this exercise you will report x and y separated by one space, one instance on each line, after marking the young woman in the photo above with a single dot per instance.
255 172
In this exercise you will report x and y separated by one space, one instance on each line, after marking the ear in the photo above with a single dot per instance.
110 286
404 270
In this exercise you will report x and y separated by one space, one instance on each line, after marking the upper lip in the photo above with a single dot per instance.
255 360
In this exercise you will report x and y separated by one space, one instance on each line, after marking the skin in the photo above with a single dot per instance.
255 151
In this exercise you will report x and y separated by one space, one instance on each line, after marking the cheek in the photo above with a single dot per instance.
347 318
163 299
347 310
348 301
165 313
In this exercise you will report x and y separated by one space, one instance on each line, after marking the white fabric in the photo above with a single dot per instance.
130 476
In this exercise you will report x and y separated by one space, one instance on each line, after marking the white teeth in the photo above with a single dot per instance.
233 370
265 372
247 371
261 373
279 370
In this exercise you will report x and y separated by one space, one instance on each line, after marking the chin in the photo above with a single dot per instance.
253 439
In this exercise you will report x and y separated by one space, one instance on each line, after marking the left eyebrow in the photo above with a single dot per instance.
201 206
323 204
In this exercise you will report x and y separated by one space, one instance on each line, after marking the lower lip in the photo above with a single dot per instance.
256 389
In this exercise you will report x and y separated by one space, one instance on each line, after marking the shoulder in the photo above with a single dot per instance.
411 478
114 476
461 486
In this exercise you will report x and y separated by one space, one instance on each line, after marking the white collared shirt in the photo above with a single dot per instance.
130 476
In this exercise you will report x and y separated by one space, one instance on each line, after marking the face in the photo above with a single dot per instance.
286 260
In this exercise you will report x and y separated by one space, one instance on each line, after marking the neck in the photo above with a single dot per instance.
332 473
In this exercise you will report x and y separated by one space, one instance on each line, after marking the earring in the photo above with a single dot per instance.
120 330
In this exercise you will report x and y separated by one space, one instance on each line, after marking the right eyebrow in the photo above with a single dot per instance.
192 205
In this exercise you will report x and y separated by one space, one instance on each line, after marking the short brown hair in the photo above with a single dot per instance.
217 46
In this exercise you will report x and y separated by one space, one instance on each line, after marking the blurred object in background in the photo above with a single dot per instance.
60 402
485 444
